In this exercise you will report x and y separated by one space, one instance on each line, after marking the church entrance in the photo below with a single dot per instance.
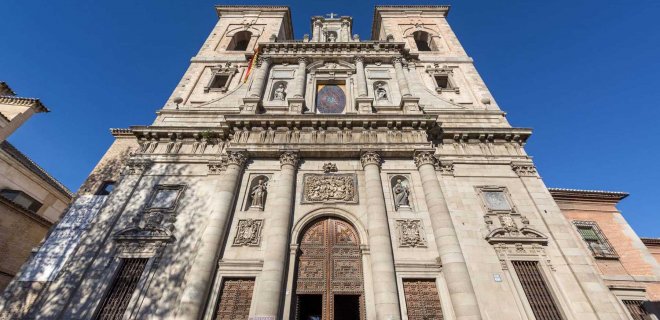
329 282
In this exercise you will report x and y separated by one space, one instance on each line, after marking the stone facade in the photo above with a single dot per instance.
329 177
31 201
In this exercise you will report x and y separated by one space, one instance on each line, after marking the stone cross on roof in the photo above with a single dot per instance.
331 15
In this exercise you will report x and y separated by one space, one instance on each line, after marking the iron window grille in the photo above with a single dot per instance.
595 240
536 290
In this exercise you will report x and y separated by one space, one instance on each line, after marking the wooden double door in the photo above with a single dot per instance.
329 280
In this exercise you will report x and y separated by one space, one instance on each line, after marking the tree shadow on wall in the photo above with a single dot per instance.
84 280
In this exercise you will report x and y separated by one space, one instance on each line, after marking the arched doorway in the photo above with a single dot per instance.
329 281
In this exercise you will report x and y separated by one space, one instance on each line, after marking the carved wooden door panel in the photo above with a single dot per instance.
330 268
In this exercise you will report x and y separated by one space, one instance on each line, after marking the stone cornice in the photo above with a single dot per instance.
121 132
25 102
651 241
462 134
370 50
587 195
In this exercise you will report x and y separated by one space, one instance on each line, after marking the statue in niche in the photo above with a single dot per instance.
280 93
258 195
401 194
381 92
332 37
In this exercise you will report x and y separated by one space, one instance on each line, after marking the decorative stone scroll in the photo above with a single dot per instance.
335 188
411 233
524 169
138 166
216 167
248 233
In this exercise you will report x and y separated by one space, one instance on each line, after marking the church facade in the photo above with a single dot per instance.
323 178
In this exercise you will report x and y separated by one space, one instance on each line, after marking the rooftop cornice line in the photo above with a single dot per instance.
587 195
26 102
35 168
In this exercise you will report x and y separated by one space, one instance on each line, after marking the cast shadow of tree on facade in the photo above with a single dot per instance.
86 276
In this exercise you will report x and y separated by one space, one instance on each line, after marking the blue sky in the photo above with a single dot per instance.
582 74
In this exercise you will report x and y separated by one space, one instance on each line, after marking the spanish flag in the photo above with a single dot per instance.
252 61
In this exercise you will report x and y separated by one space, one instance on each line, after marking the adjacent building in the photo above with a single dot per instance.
332 177
31 200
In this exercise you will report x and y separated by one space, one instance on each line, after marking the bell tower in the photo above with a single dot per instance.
332 28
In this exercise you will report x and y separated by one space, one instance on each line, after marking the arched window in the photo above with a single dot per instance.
422 40
240 41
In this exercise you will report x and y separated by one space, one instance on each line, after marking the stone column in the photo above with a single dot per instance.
260 77
301 77
199 277
345 33
400 76
278 226
361 78
380 243
455 270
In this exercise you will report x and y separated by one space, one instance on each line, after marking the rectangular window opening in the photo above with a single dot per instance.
219 81
106 188
595 239
442 81
536 290
22 199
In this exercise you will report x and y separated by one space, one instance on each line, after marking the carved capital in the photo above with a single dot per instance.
424 157
359 59
524 169
263 61
289 158
370 157
302 60
397 60
138 166
238 158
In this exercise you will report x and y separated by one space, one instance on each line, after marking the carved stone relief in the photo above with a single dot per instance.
411 233
248 233
319 188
